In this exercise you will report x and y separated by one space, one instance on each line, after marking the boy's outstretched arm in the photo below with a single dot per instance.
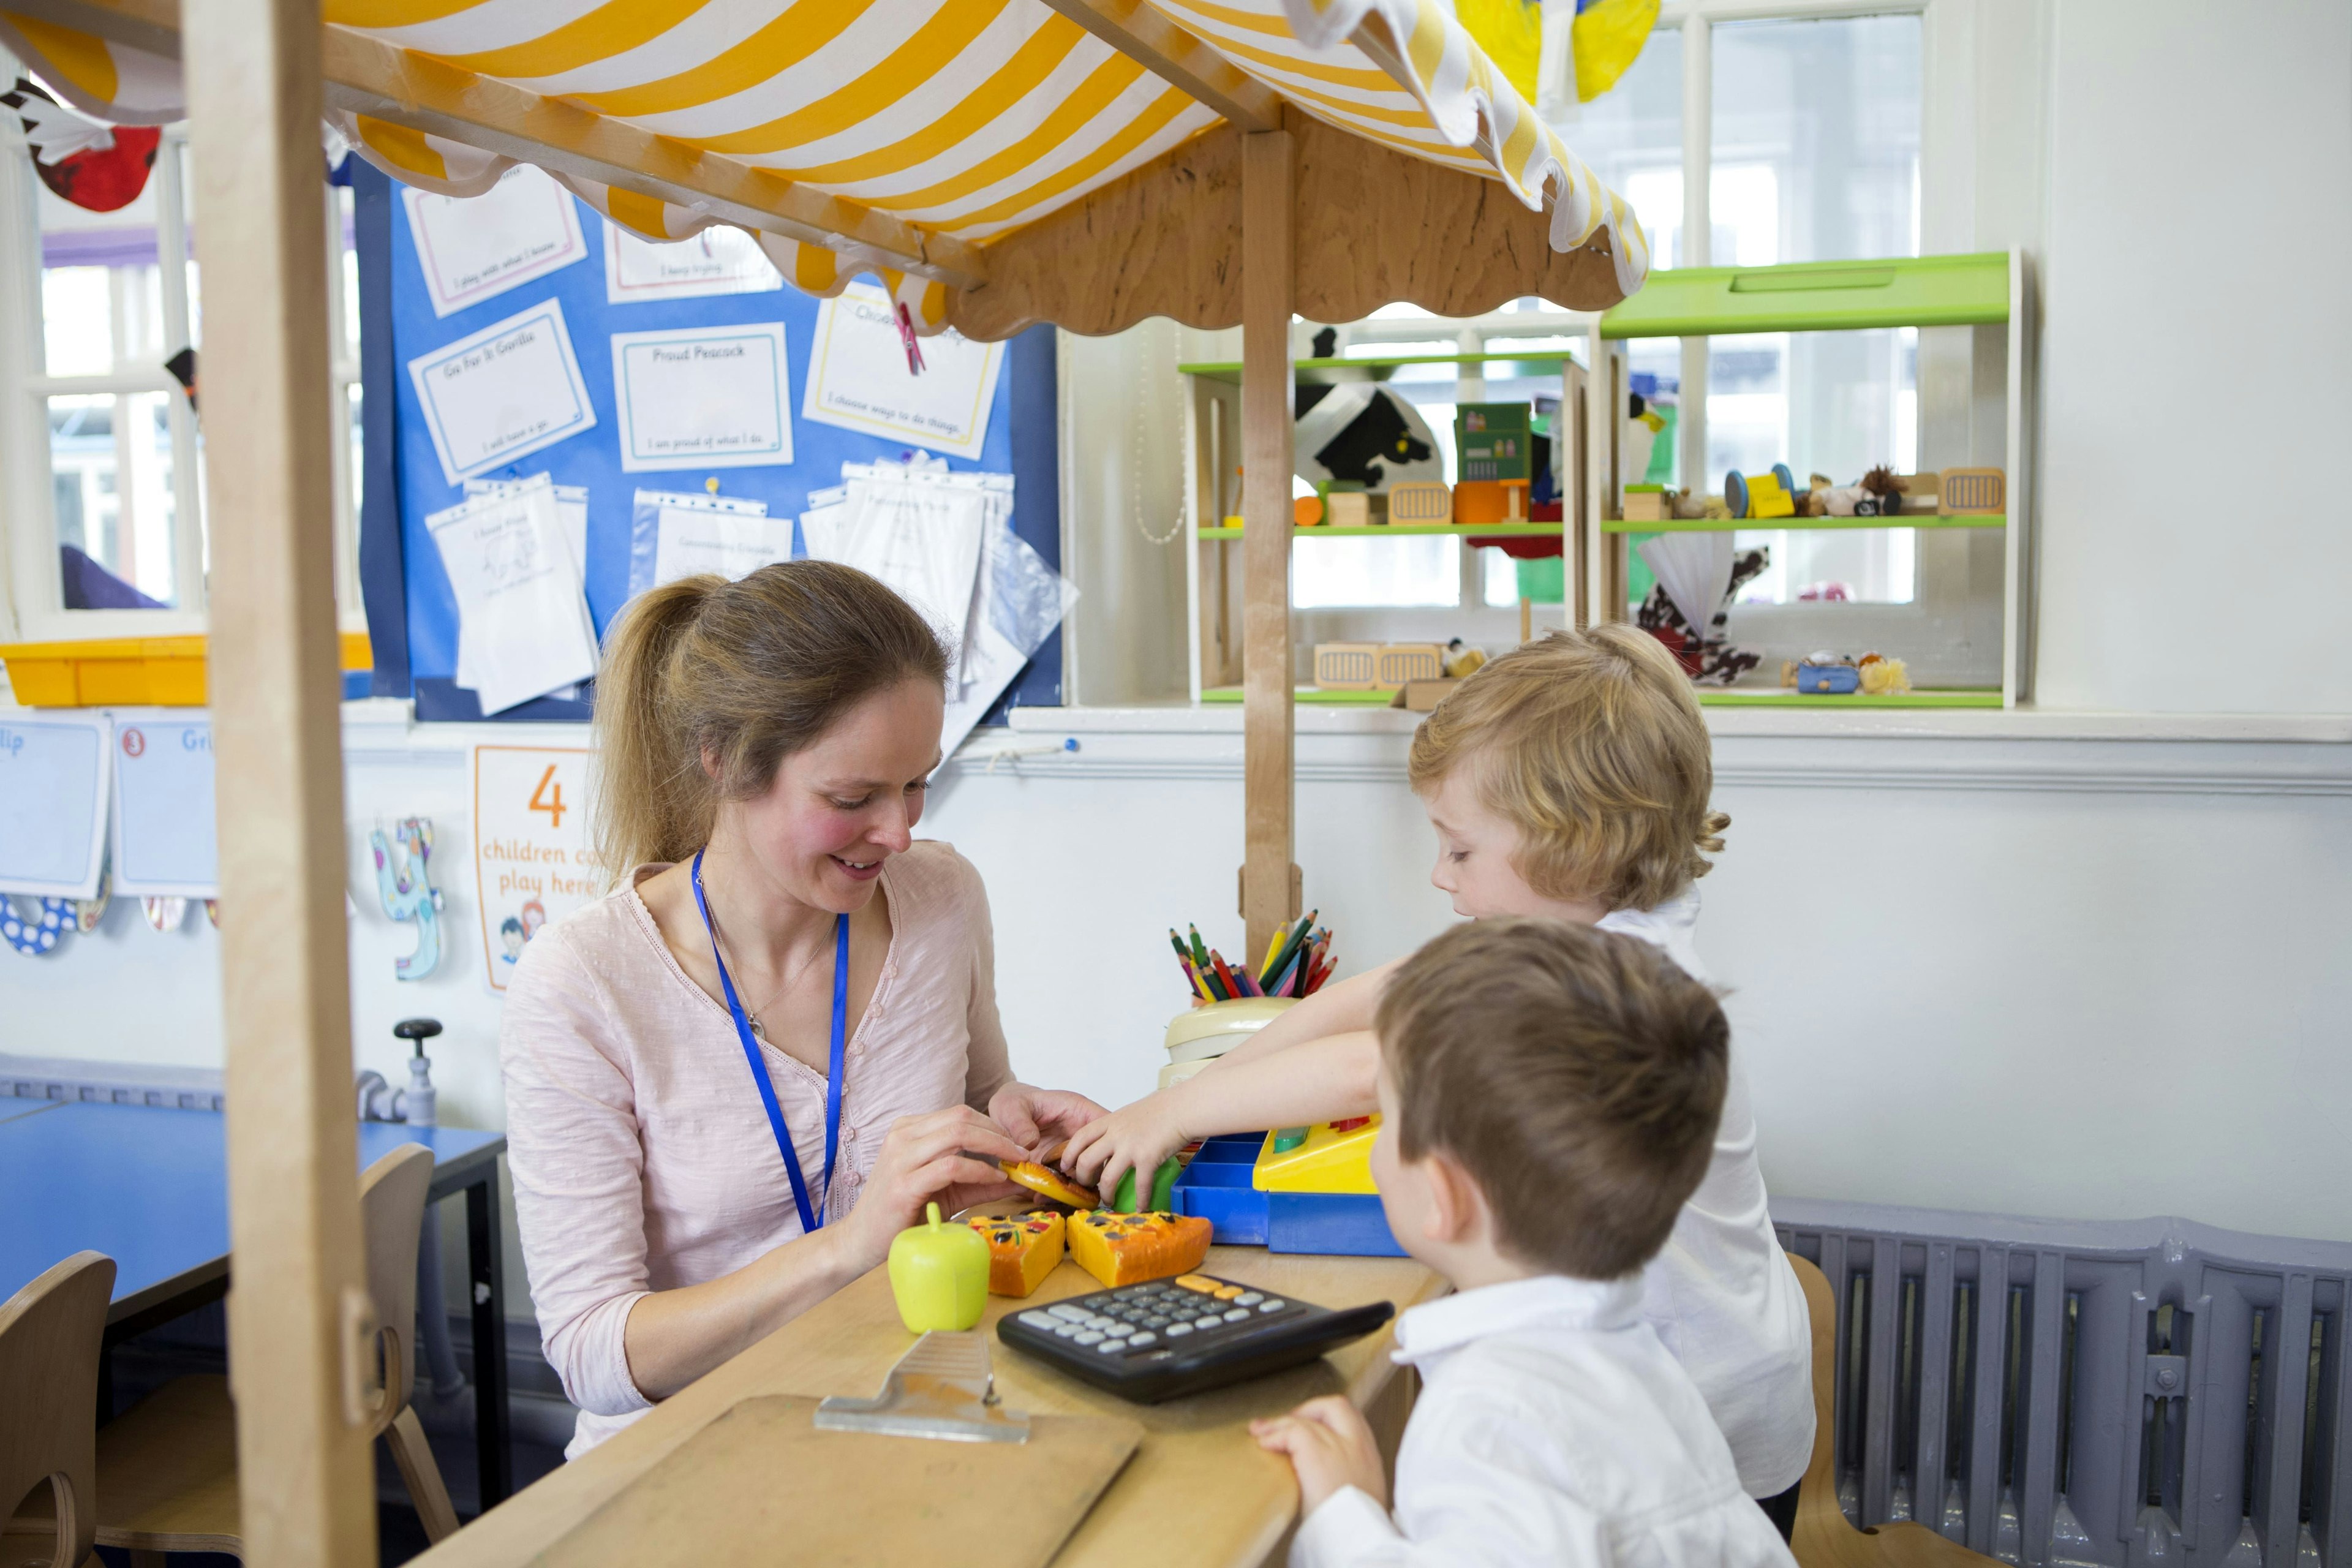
1342 1007
1321 1080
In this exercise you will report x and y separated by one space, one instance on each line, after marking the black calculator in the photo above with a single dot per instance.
1168 1337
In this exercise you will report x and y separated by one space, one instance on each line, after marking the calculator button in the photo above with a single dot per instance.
1197 1282
1038 1321
1237 1314
1086 1337
1110 1347
1073 1314
1271 1306
1179 1330
1227 1292
1141 1336
1249 1299
1157 1320
1064 1330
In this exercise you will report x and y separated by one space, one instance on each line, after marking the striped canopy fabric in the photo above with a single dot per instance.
958 118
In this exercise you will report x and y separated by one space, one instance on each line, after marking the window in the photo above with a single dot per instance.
102 507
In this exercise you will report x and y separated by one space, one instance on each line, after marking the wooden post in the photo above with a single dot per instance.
1268 884
296 1308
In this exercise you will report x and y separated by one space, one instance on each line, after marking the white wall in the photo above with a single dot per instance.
2197 355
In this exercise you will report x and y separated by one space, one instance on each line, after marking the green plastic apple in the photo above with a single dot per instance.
939 1273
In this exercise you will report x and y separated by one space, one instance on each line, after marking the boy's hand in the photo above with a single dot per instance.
1330 1447
1136 1137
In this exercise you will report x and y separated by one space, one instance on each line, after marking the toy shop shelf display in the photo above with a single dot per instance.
1378 474
1981 479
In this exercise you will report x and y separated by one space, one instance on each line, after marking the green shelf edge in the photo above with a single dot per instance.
1308 694
1919 291
1966 697
1775 524
1231 370
1395 529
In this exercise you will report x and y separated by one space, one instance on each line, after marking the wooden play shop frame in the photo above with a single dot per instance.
1245 224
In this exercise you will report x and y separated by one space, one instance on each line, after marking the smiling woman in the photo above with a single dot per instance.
734 1079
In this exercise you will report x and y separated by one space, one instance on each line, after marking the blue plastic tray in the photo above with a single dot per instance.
1216 1187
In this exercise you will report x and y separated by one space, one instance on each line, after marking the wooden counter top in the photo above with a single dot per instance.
1199 1493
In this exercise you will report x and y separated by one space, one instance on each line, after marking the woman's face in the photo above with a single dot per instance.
840 807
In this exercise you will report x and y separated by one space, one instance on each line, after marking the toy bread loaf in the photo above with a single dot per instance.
1023 1249
1128 1249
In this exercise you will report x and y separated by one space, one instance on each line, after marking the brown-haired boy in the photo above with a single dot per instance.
1567 779
1550 1096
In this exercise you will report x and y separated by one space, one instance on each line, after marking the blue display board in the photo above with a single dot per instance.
404 483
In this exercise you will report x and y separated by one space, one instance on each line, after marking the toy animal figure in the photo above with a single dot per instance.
408 892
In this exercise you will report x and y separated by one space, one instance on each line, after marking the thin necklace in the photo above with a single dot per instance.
758 1026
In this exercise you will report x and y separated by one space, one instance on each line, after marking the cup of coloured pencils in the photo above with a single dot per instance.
1297 963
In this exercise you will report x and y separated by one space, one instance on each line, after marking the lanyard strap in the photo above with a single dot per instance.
812 1218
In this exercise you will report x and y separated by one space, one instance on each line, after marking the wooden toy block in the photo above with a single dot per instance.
1972 492
1128 1248
1400 663
1646 506
1419 501
1023 1249
1490 500
1347 509
1348 665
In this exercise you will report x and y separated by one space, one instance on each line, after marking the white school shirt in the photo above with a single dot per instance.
1552 1428
1720 1293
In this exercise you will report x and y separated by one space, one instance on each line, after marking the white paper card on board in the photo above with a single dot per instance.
733 544
522 631
473 248
859 378
54 777
572 522
163 834
533 863
507 391
702 398
721 259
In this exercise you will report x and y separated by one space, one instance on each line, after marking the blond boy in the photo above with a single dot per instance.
1568 779
1550 1096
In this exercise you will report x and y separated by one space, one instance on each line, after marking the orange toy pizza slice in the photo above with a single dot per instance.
1039 1177
1126 1249
1023 1249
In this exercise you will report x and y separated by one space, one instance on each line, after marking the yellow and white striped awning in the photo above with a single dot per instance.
951 121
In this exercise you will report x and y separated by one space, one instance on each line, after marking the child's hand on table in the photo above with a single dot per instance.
1038 1118
1136 1137
1330 1446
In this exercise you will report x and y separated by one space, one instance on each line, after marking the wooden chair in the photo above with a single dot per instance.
1824 1538
167 1467
50 1336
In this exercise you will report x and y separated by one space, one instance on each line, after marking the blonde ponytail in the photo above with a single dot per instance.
743 674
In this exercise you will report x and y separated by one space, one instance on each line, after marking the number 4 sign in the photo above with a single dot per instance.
532 861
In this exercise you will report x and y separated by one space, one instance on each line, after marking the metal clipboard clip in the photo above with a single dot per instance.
941 1388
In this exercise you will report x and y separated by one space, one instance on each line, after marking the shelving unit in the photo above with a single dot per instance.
1988 290
1213 443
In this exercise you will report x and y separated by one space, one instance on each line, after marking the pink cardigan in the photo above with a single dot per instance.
641 1157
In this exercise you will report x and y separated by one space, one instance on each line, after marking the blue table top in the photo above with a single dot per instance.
148 1187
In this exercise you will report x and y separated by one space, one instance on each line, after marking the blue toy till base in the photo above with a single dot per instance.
1216 1187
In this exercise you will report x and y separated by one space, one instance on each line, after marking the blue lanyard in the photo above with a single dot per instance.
811 1218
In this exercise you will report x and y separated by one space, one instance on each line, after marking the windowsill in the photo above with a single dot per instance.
2024 723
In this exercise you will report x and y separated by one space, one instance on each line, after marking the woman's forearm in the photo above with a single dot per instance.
673 1337
1321 1080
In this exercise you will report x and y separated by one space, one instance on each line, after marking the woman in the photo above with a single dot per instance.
763 749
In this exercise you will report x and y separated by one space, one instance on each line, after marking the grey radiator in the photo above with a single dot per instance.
2124 1393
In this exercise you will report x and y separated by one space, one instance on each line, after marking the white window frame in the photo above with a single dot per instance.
32 607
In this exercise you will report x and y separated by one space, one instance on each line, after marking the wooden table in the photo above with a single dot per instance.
1199 1493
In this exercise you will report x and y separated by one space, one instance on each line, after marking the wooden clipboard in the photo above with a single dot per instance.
763 1485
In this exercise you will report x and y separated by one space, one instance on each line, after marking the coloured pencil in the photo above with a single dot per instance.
1225 976
1296 937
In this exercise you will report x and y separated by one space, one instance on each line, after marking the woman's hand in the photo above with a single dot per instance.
1041 1118
1330 1446
1137 1138
944 1157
